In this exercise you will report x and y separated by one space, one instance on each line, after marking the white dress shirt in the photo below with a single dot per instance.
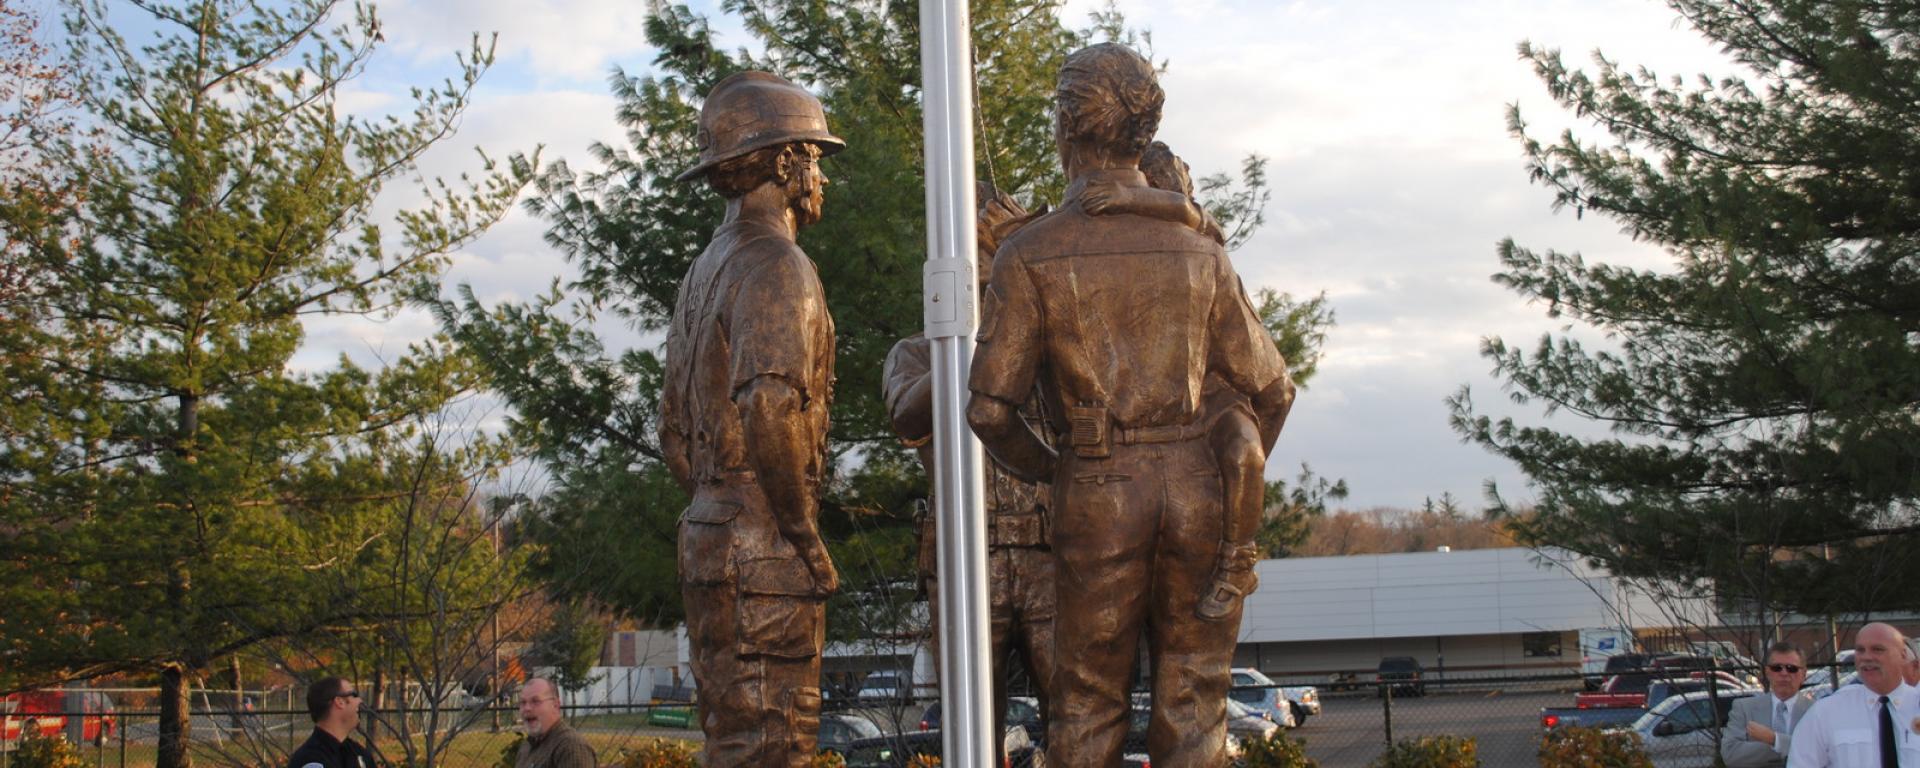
1843 730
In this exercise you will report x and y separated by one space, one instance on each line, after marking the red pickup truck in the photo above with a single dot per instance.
1629 691
45 713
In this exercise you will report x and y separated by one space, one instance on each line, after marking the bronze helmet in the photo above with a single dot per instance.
755 110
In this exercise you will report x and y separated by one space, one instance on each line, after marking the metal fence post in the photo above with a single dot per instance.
1386 699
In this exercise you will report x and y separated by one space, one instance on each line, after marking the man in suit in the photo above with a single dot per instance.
1759 730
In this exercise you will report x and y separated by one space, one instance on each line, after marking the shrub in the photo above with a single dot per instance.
1431 752
660 753
924 761
37 751
828 760
1278 750
1592 748
510 753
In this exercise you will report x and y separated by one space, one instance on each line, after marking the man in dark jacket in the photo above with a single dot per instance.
335 707
550 743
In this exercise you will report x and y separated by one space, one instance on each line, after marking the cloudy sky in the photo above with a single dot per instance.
1393 179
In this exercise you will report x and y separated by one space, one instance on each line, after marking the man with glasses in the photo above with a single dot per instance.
550 743
335 708
1759 729
1870 725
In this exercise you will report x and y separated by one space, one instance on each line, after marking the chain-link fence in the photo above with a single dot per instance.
1344 722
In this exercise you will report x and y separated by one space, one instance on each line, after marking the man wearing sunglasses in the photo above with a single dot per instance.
335 707
1759 729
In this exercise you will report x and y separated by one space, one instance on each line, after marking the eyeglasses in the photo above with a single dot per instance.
536 700
347 695
1787 668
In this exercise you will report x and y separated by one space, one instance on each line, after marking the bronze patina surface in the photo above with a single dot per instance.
1119 319
749 377
1019 562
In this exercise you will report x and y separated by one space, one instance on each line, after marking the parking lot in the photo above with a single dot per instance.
1350 730
1504 721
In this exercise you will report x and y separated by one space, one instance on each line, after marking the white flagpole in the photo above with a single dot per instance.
952 314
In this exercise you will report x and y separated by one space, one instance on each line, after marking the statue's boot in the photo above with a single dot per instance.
1233 580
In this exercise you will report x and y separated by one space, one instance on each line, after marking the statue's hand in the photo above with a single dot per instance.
826 580
1100 197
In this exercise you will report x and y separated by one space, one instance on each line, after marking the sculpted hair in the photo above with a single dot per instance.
1110 94
1784 647
738 176
321 694
1164 170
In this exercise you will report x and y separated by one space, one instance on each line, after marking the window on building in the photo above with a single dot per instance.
1541 644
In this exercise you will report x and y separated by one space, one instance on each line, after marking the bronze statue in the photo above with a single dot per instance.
1019 562
749 376
1119 319
1232 432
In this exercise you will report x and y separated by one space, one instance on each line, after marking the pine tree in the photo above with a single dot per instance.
172 489
1763 388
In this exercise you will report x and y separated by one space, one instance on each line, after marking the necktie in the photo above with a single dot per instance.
1779 720
1888 759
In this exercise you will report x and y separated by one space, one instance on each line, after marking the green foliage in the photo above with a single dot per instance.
1430 752
175 486
39 751
1592 748
1760 387
1278 750
660 753
632 232
571 644
510 754
1290 510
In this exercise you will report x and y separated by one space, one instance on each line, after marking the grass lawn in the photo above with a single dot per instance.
475 748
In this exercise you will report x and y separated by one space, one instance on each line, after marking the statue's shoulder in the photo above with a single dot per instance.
1042 234
767 255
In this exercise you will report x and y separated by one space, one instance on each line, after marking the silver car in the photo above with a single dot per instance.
1683 731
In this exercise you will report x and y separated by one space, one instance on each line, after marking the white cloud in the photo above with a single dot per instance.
1392 171
547 39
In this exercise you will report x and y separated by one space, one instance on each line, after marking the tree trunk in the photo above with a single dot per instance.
174 726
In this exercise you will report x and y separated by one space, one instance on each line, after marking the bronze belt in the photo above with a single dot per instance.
1169 434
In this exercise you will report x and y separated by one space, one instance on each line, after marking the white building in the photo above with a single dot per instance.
1477 610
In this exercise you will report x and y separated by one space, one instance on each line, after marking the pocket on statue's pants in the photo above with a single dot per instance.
778 612
803 710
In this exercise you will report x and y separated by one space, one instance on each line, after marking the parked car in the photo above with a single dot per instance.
1241 723
1305 700
1258 692
897 749
1660 690
1023 711
1684 730
1401 673
1630 691
1244 724
1617 664
839 730
886 686
1820 678
1738 666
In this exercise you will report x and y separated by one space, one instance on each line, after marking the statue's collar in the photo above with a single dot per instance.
1119 177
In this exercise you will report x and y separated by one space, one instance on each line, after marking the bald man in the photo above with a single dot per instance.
1870 725
550 743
